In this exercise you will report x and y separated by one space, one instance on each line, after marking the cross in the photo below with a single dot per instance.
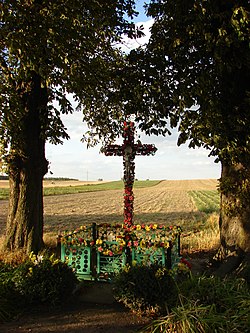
129 150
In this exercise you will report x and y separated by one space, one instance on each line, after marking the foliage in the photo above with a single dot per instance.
40 279
202 54
146 290
71 52
207 304
9 297
201 51
52 54
44 280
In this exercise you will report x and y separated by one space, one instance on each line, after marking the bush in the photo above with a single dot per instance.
44 279
207 305
146 290
37 280
9 297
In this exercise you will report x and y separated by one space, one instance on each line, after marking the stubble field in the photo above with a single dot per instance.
171 202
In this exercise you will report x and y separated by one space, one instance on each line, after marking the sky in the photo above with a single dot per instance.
74 160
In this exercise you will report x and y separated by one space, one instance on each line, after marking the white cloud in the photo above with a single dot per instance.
129 44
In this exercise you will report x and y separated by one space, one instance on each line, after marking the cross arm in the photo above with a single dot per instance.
113 150
145 149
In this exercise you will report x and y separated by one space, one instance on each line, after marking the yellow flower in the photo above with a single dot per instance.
155 226
166 245
99 241
142 243
147 228
122 242
138 227
126 268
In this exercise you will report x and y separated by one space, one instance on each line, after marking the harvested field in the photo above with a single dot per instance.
168 203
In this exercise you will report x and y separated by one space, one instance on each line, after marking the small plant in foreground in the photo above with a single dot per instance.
146 290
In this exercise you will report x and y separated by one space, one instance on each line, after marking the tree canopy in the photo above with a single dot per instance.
49 49
194 74
69 44
204 46
201 52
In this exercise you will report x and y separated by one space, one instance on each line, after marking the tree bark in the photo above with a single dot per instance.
235 210
27 166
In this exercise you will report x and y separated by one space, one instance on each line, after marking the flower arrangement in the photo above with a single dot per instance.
82 236
113 239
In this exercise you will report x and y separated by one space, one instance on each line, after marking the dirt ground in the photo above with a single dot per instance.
76 317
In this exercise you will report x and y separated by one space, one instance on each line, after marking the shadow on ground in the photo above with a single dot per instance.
55 223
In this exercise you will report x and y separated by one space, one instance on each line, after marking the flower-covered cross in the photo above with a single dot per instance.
129 149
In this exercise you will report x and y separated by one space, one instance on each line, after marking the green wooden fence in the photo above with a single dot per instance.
98 251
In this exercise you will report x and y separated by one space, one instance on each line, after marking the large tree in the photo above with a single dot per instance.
48 49
200 49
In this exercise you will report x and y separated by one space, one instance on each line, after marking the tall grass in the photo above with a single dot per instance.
206 237
207 305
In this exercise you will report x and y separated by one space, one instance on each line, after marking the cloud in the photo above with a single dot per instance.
130 44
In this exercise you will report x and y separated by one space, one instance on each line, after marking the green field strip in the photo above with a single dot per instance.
206 201
60 190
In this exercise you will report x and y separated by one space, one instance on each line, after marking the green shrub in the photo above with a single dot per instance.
9 297
146 290
37 280
44 279
207 305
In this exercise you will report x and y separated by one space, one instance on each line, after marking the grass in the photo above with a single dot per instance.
203 236
4 193
206 201
207 305
60 190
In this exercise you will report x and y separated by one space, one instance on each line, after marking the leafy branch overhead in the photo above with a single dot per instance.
69 45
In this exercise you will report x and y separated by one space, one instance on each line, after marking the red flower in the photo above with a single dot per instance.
187 263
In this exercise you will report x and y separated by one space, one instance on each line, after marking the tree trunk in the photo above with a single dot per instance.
27 166
234 216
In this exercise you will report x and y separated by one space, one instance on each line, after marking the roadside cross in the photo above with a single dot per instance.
129 149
